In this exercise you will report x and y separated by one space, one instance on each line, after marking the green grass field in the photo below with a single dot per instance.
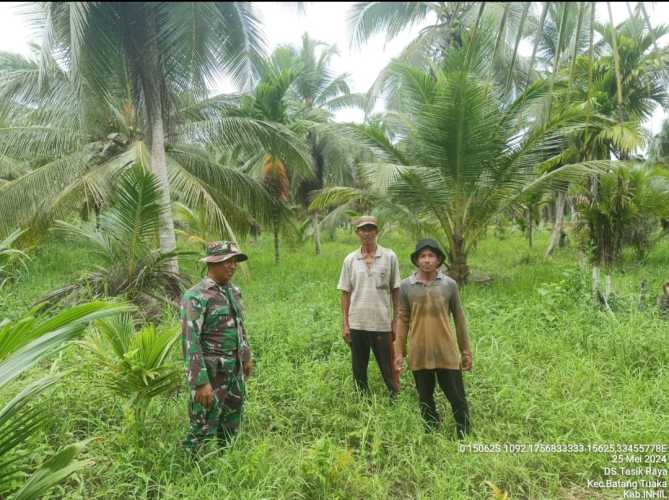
548 368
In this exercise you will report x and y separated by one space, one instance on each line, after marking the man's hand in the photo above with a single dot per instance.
399 361
346 334
248 368
204 394
393 329
466 361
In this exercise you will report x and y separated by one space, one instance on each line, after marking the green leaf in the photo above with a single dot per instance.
24 342
53 471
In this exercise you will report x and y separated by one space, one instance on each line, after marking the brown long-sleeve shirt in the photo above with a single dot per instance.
423 318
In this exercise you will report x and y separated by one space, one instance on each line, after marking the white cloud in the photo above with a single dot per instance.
14 34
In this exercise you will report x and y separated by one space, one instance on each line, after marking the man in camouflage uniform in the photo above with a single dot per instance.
216 353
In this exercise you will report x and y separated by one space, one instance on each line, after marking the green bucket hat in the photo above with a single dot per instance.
432 245
219 251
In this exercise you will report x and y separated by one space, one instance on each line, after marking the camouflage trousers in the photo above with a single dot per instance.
222 419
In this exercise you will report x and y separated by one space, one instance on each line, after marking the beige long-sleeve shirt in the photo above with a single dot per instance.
424 320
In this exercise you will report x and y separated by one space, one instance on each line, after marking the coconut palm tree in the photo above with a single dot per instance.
447 24
314 96
619 79
298 91
279 168
562 36
76 160
465 153
613 130
163 48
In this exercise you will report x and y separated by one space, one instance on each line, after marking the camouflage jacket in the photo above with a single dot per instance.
212 326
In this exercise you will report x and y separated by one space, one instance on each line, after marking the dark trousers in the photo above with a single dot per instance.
451 383
380 343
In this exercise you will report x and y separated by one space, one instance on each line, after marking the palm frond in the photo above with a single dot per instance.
135 216
368 18
336 196
24 342
135 362
18 422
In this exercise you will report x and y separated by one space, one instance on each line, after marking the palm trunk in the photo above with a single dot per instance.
254 234
458 268
556 236
607 286
607 291
595 284
151 85
572 211
168 242
317 232
275 228
602 299
546 214
529 226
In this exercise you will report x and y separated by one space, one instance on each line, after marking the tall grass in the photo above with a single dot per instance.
548 368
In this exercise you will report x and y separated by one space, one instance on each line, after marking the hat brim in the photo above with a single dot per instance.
366 224
213 259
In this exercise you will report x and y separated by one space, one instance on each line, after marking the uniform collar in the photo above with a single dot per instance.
210 283
413 279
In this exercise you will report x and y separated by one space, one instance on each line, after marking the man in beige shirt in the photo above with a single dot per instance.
369 280
427 297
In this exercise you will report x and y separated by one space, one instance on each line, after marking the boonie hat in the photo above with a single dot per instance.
366 220
219 251
432 245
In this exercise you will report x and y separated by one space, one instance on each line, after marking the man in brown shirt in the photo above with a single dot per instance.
427 297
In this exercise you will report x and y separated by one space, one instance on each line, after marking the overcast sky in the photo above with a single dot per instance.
326 21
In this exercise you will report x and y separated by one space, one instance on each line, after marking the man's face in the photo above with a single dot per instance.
428 260
222 272
367 233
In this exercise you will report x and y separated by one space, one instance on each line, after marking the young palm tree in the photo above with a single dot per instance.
135 363
127 241
164 48
624 210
